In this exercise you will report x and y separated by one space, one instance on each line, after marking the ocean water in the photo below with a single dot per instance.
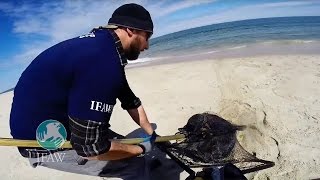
233 36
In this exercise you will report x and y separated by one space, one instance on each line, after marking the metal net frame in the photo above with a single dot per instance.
211 141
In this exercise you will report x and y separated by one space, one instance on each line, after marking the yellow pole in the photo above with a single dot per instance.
34 143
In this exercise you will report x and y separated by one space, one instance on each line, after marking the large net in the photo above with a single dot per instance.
211 141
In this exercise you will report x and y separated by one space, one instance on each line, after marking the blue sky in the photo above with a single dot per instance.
29 27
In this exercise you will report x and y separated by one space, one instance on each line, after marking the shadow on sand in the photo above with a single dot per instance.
154 165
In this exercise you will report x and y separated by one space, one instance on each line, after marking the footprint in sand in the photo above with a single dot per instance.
257 137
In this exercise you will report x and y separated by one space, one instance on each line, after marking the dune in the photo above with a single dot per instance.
275 96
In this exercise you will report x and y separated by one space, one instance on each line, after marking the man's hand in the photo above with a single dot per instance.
148 142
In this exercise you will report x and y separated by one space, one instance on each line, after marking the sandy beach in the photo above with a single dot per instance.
275 96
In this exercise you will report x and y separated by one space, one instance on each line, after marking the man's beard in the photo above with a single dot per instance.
133 52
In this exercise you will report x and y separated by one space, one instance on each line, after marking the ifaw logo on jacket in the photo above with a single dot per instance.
101 107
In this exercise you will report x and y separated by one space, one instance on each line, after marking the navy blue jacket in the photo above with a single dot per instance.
81 77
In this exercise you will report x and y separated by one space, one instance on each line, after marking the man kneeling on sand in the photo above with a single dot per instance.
68 93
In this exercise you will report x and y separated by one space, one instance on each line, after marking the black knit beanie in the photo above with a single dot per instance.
132 16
